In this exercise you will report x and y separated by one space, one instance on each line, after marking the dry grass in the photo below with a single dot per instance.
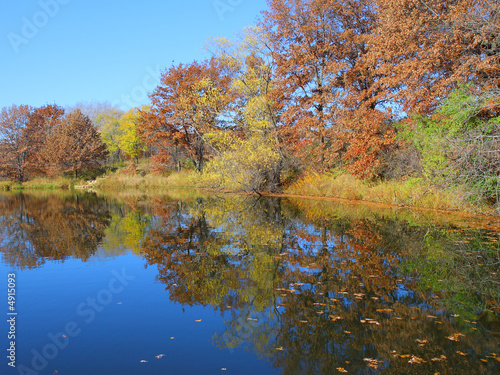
409 193
124 179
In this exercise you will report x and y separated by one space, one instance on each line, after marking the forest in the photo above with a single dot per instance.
382 91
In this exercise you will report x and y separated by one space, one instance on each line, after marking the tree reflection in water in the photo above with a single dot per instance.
314 292
313 287
36 228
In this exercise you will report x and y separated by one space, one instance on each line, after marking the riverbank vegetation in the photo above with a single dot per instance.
389 101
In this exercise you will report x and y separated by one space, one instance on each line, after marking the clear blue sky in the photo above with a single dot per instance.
68 51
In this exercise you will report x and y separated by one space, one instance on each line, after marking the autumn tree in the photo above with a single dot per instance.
250 155
16 150
186 105
74 145
111 131
42 121
129 138
323 81
422 49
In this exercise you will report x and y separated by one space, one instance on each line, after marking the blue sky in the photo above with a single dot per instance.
69 51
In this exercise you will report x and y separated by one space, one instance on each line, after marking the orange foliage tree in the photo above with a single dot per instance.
16 149
41 122
73 145
324 83
422 49
186 105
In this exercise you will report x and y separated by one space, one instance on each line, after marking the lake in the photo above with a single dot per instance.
192 283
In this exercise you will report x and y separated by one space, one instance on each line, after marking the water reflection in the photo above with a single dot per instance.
36 228
324 293
308 286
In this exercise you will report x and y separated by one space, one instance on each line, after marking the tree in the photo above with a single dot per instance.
128 138
184 107
42 121
323 81
74 145
111 130
16 151
249 154
423 49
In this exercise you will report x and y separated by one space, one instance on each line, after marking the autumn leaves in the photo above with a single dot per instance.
322 84
44 141
317 85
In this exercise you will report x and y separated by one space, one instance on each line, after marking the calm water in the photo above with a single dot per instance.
187 284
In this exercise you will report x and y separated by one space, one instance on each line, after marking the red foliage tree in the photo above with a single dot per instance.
15 142
186 105
73 145
326 88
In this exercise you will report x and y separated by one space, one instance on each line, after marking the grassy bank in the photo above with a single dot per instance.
124 179
60 183
408 193
412 192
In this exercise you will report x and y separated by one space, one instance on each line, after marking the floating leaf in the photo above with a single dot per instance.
416 360
341 369
160 356
441 358
455 337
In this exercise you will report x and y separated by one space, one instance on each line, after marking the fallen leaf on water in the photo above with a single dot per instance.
279 348
303 321
455 337
119 303
198 320
223 369
484 360
160 356
402 355
432 316
441 358
334 318
416 360
421 341
341 369
348 332
172 338
143 361
461 353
